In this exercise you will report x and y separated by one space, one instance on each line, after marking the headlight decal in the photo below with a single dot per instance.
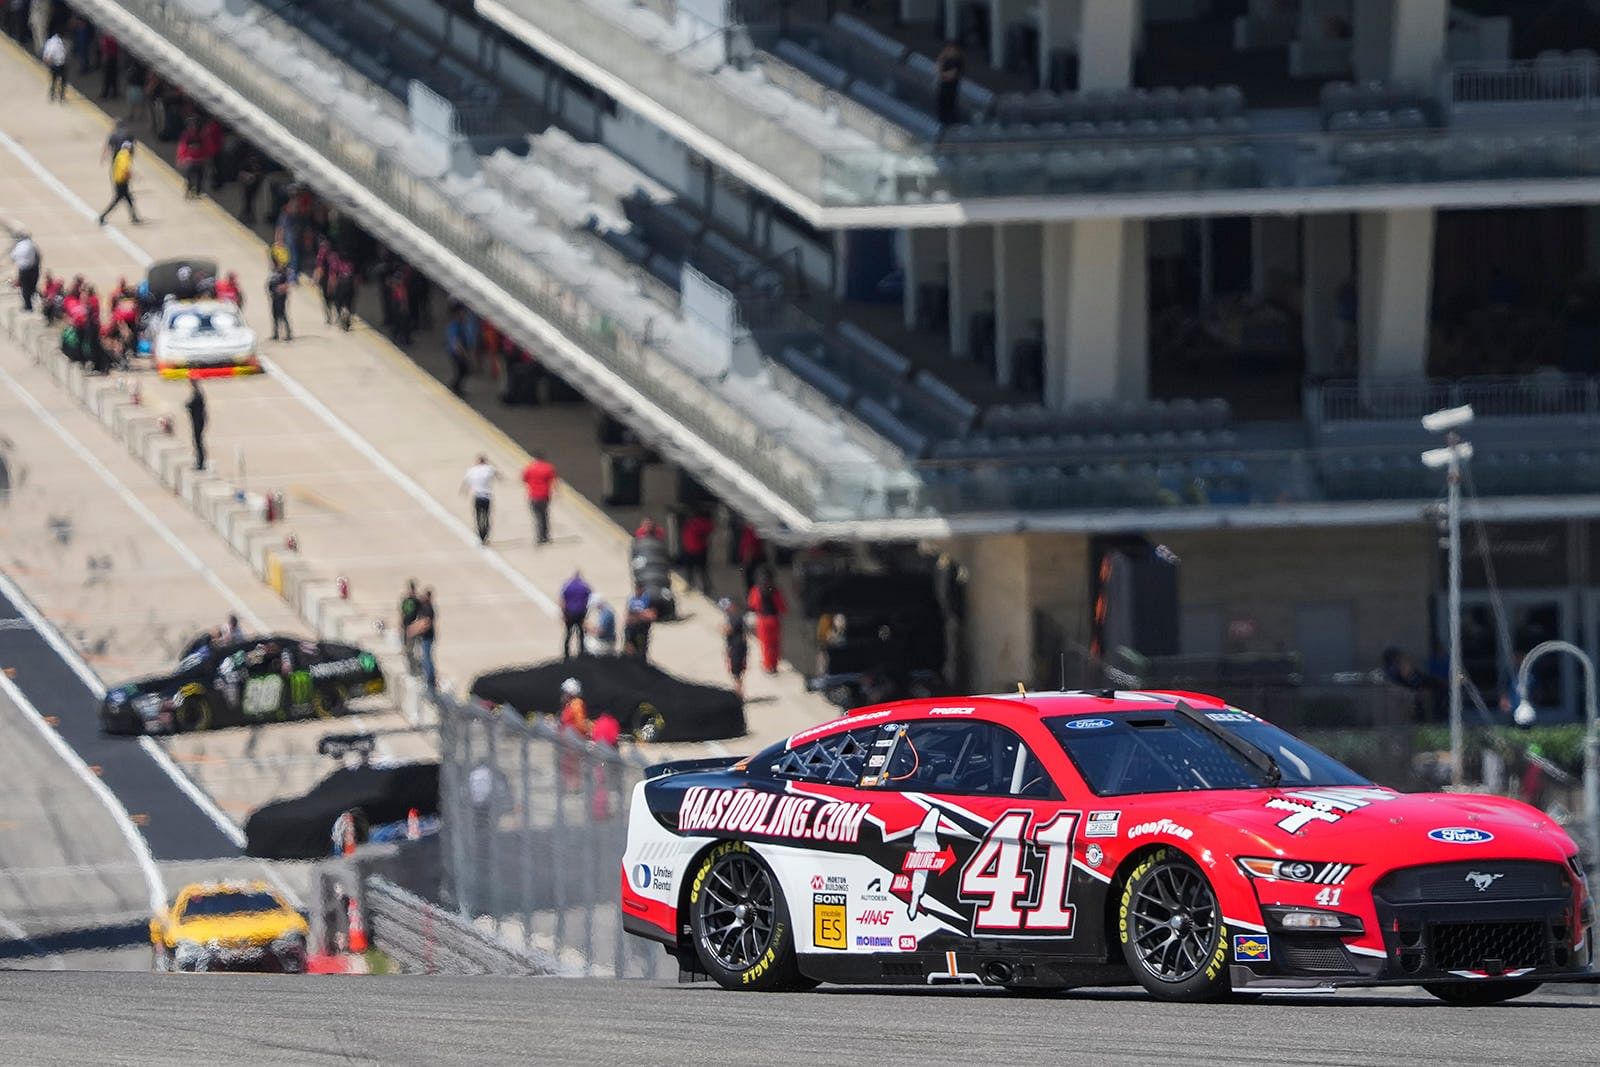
1311 873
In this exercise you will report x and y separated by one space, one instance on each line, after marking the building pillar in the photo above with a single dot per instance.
922 261
1019 291
1107 32
1101 33
1328 262
1274 256
972 281
1014 580
1002 13
1096 311
1399 40
1395 292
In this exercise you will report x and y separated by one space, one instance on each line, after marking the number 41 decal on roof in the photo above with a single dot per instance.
1020 879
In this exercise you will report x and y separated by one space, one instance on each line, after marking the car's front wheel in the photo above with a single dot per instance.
1478 994
1171 929
740 922
194 713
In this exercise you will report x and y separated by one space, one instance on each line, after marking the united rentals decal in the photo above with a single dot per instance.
748 811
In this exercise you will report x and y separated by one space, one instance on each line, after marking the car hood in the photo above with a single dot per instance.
1360 823
256 929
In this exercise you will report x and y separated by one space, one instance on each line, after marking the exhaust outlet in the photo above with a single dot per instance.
998 971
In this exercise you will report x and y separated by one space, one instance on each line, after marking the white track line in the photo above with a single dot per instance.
306 397
130 833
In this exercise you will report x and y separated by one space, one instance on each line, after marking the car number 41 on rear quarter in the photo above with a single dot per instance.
1019 879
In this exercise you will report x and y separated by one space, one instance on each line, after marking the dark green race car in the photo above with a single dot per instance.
244 683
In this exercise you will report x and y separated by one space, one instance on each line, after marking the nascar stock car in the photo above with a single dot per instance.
190 332
229 926
243 683
1071 839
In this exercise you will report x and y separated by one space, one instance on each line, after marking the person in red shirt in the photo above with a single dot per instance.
647 528
606 730
752 554
767 603
228 290
695 544
540 478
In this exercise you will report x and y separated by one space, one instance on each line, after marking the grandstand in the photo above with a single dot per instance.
1196 270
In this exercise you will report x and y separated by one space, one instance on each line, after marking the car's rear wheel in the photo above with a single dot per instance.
1171 929
1478 994
740 922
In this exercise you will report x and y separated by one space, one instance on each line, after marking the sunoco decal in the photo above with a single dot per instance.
747 811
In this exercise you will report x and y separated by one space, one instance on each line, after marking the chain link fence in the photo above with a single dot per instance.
534 824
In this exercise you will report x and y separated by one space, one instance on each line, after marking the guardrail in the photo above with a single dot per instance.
1538 395
423 938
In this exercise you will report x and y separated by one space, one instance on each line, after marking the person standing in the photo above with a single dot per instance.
636 624
695 550
574 712
110 67
278 283
951 64
736 639
409 606
54 55
121 180
191 160
540 478
575 596
752 554
425 629
479 481
600 633
251 172
766 601
197 422
455 344
25 257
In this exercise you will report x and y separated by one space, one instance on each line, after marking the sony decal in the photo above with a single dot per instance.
747 811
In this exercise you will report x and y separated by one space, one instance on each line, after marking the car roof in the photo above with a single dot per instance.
1003 707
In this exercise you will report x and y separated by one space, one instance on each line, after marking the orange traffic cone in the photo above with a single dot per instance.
413 825
358 929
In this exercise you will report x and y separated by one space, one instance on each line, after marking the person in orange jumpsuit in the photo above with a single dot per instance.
767 603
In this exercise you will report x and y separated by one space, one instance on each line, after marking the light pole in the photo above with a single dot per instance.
1454 453
1591 738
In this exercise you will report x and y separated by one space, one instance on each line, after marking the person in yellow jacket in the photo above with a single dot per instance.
121 175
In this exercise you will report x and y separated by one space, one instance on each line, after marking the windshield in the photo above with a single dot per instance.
229 904
1161 752
189 322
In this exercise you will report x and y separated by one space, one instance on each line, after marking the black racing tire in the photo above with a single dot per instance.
1481 993
194 713
1171 929
740 922
328 703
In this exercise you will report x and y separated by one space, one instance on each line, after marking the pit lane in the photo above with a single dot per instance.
71 1018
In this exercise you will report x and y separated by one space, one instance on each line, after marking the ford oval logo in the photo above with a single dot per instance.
641 876
1088 724
1460 835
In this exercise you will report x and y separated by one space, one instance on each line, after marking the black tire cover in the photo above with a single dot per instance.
299 828
619 684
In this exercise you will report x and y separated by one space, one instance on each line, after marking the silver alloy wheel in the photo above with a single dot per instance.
1173 923
736 911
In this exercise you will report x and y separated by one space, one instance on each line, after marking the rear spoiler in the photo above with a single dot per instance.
687 766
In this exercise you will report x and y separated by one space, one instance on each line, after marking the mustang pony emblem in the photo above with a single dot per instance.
1481 882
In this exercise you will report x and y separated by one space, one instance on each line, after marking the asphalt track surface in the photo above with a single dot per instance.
75 1018
174 826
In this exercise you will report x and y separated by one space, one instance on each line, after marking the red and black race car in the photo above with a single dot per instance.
1071 839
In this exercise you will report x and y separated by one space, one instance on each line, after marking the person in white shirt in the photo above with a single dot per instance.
54 55
479 481
25 257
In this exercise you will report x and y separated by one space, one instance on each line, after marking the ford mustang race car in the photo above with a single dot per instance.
229 926
243 683
1071 839
202 339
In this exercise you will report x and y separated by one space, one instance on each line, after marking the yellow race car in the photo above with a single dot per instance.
229 926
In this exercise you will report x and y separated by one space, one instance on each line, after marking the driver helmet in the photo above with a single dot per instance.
572 688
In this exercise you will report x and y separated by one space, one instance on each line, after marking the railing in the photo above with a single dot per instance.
1499 396
1571 80
423 938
